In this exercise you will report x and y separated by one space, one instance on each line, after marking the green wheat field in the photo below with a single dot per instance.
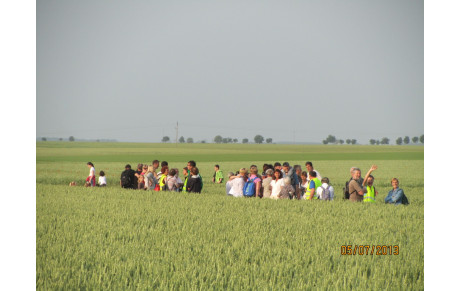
118 239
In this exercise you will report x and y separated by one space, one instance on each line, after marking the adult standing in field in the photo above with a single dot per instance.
303 184
325 191
218 176
278 166
237 183
276 184
194 184
190 165
91 179
288 191
155 165
150 180
266 183
290 173
256 180
127 179
309 166
314 184
228 185
396 196
356 189
163 178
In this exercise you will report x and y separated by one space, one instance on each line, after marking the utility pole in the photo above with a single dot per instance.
177 131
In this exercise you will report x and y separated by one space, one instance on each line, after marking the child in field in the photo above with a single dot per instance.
179 180
194 181
369 196
140 182
172 181
325 191
91 180
218 175
102 180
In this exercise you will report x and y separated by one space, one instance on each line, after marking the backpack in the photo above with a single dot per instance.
405 201
126 179
249 188
326 193
346 194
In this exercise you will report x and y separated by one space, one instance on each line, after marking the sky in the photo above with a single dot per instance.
288 70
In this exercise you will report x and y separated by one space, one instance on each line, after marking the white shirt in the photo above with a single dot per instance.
92 171
237 187
319 191
102 180
276 187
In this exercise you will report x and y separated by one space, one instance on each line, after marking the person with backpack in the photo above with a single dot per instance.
253 184
396 196
127 179
325 191
346 193
314 184
355 188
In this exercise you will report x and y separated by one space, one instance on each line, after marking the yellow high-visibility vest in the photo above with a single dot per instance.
317 185
370 195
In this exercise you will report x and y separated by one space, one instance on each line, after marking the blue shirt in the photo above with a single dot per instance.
395 196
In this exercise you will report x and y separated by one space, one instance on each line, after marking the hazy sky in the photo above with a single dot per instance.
128 70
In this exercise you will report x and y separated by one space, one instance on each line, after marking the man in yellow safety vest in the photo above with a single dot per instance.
371 192
314 184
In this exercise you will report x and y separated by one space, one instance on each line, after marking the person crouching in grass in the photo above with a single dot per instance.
102 181
194 181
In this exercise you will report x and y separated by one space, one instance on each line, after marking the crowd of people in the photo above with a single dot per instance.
277 181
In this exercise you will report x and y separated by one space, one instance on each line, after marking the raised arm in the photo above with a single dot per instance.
373 168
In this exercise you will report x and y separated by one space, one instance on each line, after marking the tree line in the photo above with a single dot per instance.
219 139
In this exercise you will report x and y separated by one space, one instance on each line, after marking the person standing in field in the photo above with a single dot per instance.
218 176
276 184
291 173
172 183
191 164
155 165
102 181
163 178
396 196
303 184
228 185
194 184
309 166
237 183
371 192
185 173
278 166
254 176
127 178
266 183
179 180
325 191
91 179
288 191
314 184
149 177
356 189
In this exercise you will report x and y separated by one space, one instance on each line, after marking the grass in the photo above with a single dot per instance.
112 238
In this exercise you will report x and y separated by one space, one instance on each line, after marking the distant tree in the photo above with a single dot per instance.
372 141
377 142
181 139
353 141
341 141
415 139
331 139
189 140
235 140
165 139
71 138
229 139
245 140
225 140
399 141
422 138
60 139
406 140
43 138
269 140
218 139
385 140
97 140
203 141
324 141
348 141
258 139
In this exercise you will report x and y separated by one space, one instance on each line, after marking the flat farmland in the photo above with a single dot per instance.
113 238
